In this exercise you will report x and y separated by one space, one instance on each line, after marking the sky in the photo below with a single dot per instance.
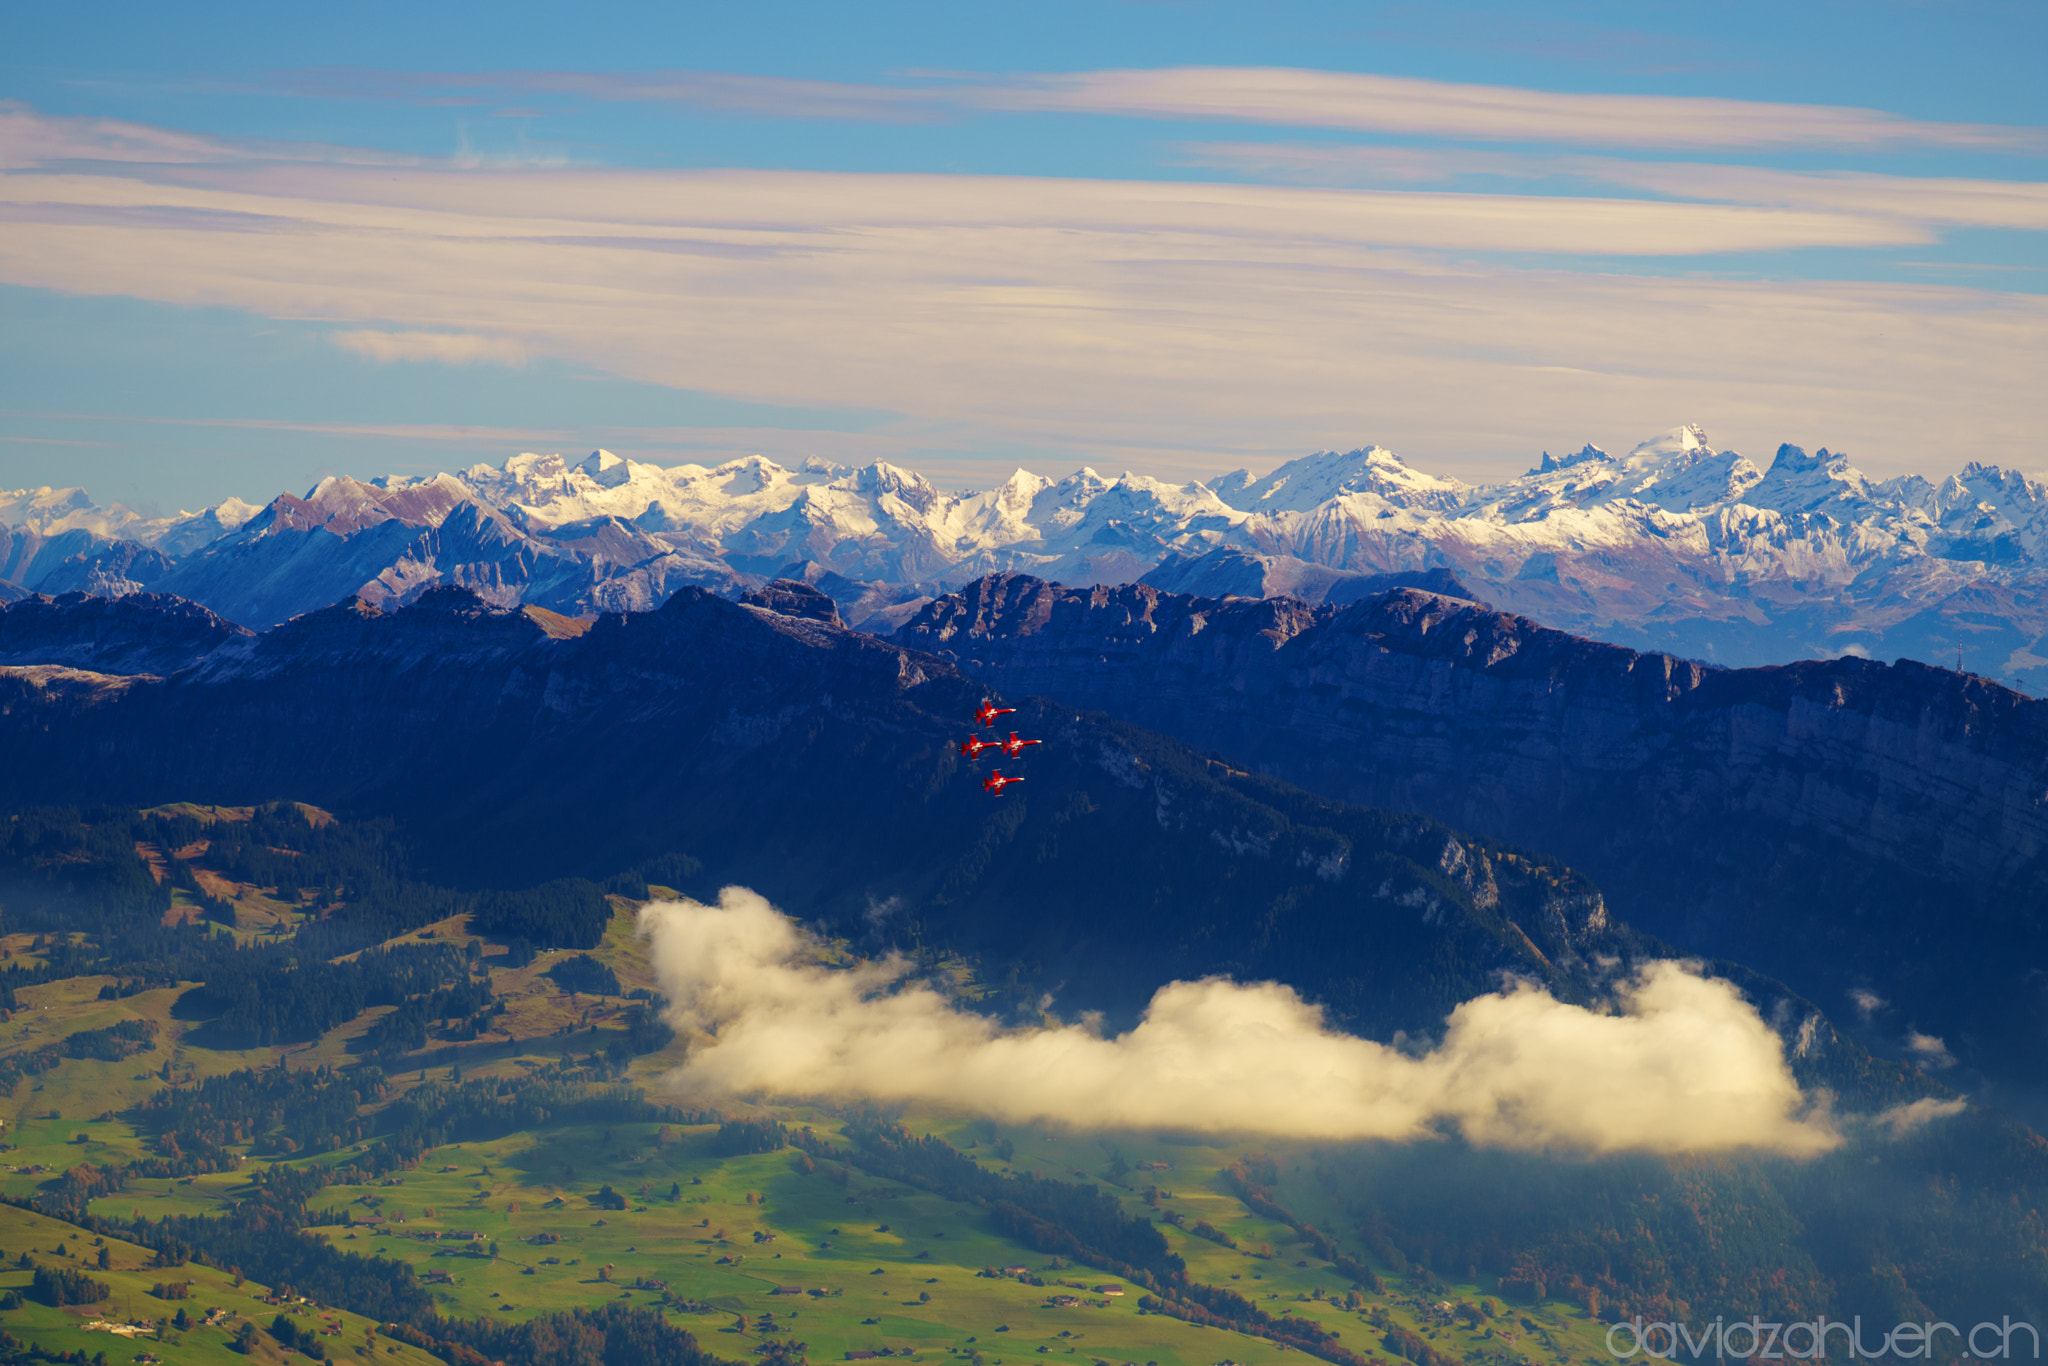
245 246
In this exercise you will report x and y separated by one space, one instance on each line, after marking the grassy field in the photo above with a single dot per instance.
841 1260
727 1233
215 1304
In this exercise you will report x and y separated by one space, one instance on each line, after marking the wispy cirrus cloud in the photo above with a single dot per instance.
725 91
29 138
1489 113
2020 204
765 213
1178 325
1552 37
409 431
1289 96
445 348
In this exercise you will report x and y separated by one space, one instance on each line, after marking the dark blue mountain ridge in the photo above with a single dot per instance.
1849 825
818 765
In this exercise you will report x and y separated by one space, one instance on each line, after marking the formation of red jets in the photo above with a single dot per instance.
973 745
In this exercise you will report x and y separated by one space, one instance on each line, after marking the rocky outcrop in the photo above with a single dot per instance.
1235 573
1846 823
793 598
140 633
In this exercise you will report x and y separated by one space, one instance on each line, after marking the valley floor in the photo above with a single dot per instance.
742 1251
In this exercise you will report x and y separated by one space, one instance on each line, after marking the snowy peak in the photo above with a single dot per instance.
343 506
231 512
38 509
1060 505
1988 489
1679 443
189 531
1230 487
1017 493
1550 464
428 503
541 491
52 512
1304 484
1678 471
336 504
1821 482
1152 507
881 480
604 469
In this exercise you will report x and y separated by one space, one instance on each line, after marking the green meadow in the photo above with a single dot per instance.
743 1251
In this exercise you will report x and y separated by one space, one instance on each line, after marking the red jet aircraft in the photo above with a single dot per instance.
973 745
1014 747
990 711
996 782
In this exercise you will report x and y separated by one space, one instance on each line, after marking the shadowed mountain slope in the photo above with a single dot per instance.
1847 824
136 634
819 765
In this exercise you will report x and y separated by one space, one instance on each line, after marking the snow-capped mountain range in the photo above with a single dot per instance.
1674 545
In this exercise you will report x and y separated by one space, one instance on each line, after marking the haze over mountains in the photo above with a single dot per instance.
1673 546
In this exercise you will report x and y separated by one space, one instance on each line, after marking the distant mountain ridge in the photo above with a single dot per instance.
1672 546
136 633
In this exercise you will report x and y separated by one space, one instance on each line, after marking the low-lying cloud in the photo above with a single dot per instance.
1914 1115
1680 1063
1928 1050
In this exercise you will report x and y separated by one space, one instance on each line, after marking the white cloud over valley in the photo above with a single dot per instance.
1680 1064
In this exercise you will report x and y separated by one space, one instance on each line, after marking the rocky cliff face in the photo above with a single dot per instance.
793 598
1850 824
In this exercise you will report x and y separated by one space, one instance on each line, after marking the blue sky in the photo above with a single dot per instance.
244 246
